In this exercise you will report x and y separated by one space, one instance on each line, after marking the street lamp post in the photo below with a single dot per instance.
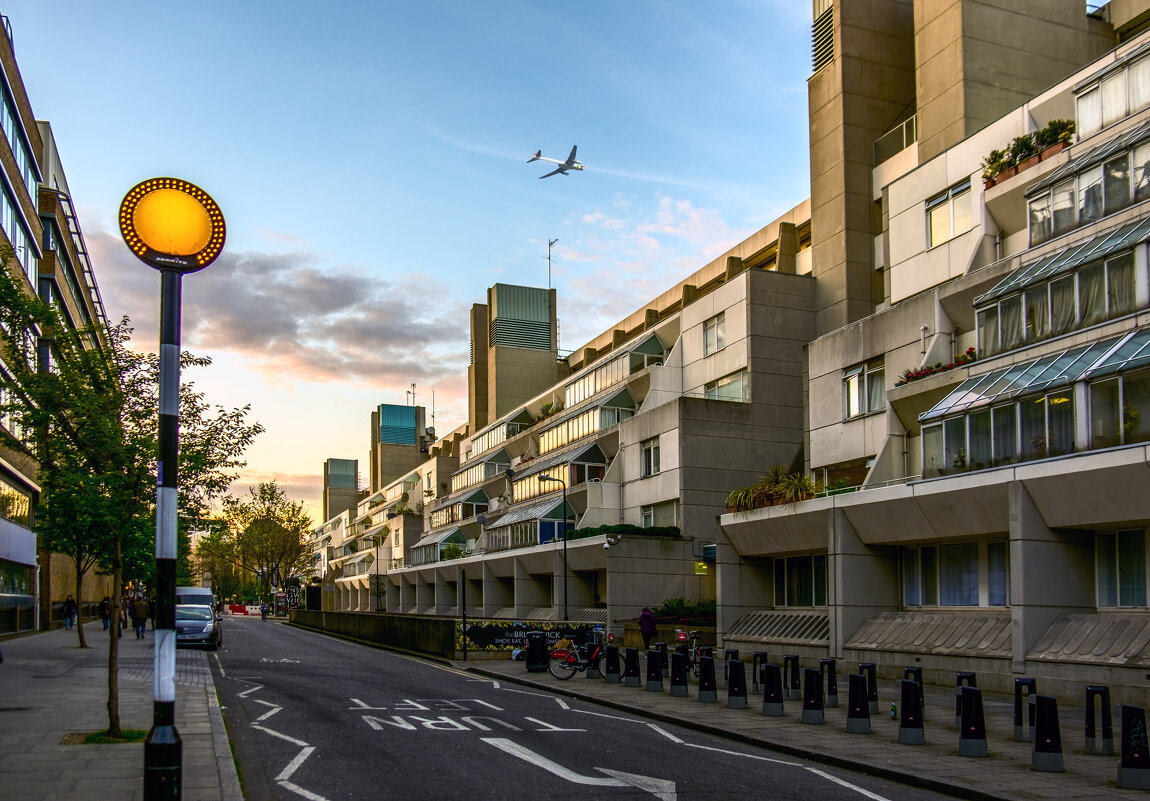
176 228
564 483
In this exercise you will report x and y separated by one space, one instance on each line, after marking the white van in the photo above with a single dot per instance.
195 595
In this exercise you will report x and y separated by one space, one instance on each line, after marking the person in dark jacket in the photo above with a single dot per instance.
70 610
647 627
104 610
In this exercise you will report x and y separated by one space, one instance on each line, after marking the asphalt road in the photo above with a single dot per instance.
317 718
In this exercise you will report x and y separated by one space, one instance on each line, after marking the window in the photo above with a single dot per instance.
649 457
1115 96
1120 410
960 574
864 389
715 334
729 388
660 514
801 581
1095 293
1121 568
948 214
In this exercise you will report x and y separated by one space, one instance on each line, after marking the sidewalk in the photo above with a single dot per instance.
50 688
1004 774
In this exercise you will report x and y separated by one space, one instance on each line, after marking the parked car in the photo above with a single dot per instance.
197 624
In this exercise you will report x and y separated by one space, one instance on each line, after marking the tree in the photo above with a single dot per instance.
83 408
270 534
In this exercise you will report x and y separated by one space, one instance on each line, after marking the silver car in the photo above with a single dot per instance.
198 625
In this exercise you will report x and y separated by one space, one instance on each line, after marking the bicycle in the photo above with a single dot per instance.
566 662
694 650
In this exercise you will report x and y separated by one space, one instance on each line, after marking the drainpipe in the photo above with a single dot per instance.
922 340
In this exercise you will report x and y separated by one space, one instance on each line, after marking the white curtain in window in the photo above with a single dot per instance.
997 575
958 574
1010 314
1090 195
1141 172
988 331
1040 226
1062 305
1138 80
1132 568
1113 98
911 596
1090 111
1062 207
1037 315
1116 179
1092 295
1120 285
876 390
1060 423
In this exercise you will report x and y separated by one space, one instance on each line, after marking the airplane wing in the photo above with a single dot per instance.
562 170
571 158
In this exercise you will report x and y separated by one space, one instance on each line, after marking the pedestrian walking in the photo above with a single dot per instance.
140 616
69 612
104 610
647 627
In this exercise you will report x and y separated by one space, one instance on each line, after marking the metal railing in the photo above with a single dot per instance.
896 140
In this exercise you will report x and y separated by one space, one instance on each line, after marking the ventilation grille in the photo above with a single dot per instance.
823 39
812 628
520 333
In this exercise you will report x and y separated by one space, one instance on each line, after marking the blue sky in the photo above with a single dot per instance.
369 158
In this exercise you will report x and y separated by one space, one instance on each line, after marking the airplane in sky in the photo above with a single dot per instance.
564 166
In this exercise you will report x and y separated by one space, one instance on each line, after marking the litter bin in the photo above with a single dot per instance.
536 652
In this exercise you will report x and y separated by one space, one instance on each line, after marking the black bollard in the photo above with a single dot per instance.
1047 755
707 693
537 655
736 685
1134 763
791 676
1024 732
813 696
915 674
678 675
654 672
661 647
869 670
961 679
858 708
611 664
728 655
827 668
758 659
972 733
1103 746
910 731
772 690
631 668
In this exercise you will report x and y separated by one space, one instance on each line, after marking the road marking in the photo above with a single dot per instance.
308 794
548 726
291 767
268 714
661 788
740 754
846 784
219 664
666 733
604 715
275 733
244 694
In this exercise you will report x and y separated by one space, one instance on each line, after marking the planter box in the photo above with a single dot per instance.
1053 150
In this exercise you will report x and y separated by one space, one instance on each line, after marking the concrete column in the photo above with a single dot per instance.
496 595
530 592
862 581
1051 574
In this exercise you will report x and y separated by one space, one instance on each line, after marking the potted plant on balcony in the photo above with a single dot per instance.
995 163
1024 152
1054 138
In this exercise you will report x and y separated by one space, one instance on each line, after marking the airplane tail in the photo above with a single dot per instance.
536 157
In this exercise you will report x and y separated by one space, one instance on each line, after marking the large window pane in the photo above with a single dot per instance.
1138 81
1120 285
938 219
875 390
1141 172
819 576
988 331
1062 301
1010 317
1105 400
1005 435
1092 294
929 576
932 457
1136 408
1040 224
958 574
1116 183
960 205
1062 207
1132 568
1060 423
1032 422
1113 98
954 432
799 585
911 595
1037 317
1090 111
980 439
1090 195
1107 570
997 574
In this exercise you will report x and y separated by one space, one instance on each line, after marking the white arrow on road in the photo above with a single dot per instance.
660 788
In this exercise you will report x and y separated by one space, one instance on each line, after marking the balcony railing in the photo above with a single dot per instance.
896 140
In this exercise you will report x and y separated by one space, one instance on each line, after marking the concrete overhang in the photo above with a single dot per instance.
802 526
1094 490
965 505
918 397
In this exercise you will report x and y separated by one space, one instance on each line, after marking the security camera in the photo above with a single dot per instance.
606 546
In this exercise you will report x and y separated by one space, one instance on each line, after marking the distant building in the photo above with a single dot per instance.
340 486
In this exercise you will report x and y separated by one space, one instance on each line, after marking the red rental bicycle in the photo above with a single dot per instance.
566 662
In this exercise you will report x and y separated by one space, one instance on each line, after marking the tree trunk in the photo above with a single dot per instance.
114 643
79 601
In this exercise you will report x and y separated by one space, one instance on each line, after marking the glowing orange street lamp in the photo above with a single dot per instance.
175 227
